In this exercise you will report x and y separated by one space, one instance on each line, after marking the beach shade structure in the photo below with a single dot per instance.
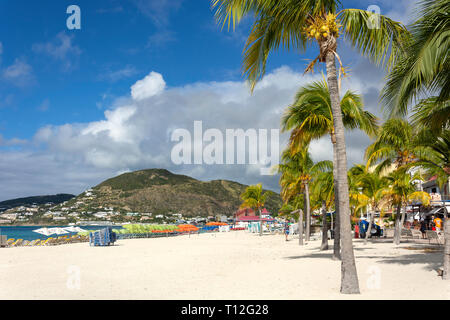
58 231
44 231
74 229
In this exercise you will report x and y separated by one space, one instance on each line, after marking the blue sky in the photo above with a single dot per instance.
120 41
54 81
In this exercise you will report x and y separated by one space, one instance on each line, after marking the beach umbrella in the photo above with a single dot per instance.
74 229
43 231
58 231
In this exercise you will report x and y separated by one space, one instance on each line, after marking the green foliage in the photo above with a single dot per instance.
310 116
162 192
56 199
282 24
425 68
253 197
143 179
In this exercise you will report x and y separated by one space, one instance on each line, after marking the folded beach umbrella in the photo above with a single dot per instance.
44 231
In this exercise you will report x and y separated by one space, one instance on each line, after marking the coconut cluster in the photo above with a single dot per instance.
321 29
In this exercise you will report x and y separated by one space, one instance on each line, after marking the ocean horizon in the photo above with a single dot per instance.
27 233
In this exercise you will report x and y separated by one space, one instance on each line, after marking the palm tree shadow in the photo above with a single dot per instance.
430 257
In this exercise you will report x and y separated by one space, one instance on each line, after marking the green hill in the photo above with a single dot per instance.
38 200
161 192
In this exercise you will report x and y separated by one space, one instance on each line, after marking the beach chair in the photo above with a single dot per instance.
46 242
17 243
34 243
416 234
10 242
432 235
25 243
406 233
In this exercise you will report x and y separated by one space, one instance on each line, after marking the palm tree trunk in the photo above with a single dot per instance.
300 227
446 273
349 275
260 222
397 228
308 213
402 222
369 229
336 228
324 245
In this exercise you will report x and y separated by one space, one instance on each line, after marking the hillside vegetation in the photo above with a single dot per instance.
161 192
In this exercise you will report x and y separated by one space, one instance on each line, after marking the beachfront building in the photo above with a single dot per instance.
437 195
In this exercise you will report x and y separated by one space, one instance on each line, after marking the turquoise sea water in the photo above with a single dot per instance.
26 233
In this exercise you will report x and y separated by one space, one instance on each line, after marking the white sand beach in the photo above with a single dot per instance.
235 265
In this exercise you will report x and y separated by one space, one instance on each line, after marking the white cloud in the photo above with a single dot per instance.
61 49
113 76
19 73
135 133
151 85
11 142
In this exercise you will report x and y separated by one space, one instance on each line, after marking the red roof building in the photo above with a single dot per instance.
248 214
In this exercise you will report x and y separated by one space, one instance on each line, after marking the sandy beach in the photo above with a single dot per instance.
236 265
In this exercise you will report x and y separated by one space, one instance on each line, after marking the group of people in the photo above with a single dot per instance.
435 224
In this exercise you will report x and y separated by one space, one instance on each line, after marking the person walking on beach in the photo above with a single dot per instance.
286 229
438 223
423 228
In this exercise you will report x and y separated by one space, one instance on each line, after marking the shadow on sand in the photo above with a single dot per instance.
430 256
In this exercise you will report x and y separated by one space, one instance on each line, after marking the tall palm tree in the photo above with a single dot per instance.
310 117
297 24
254 197
297 170
426 66
395 145
373 189
434 157
402 190
323 192
295 176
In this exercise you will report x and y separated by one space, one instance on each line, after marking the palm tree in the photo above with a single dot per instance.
310 117
426 66
373 189
394 145
295 176
297 24
297 170
432 115
253 197
402 190
323 192
434 157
